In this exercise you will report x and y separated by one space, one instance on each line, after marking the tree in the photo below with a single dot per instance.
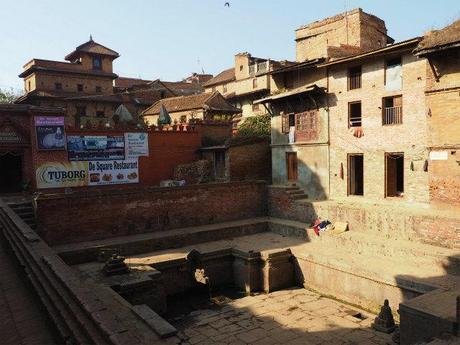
8 96
255 126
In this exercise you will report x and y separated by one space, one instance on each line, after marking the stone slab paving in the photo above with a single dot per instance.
294 316
22 322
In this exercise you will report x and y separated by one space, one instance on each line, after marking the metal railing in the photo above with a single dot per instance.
392 115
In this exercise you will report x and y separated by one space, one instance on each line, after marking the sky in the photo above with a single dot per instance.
173 38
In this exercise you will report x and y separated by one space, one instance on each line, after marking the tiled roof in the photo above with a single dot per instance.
23 108
212 101
181 88
124 82
92 48
440 39
64 68
222 77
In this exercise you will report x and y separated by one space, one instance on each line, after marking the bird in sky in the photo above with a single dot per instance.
227 4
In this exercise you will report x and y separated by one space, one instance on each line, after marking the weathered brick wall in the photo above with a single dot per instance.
251 161
410 137
432 226
101 214
443 103
355 28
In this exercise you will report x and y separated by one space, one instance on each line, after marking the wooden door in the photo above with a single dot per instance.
291 166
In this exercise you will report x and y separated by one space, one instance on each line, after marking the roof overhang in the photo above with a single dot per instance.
233 95
401 46
438 49
297 91
297 66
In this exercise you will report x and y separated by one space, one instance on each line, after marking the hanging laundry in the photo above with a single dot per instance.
292 135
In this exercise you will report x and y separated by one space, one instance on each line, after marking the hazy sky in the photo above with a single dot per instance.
173 38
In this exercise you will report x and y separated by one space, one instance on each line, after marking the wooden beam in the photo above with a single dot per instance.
436 75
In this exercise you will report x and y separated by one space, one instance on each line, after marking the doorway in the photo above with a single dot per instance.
10 173
219 164
355 174
394 174
291 166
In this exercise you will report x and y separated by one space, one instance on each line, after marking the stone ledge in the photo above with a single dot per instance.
163 328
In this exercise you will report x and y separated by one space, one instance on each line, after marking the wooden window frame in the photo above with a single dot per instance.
97 58
306 125
401 112
386 66
349 175
352 74
349 113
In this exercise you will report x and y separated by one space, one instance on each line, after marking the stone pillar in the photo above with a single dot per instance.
247 271
278 270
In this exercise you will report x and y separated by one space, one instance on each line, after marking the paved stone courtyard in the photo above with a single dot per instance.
294 316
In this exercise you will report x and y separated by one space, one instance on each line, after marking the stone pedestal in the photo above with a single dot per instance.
277 271
247 271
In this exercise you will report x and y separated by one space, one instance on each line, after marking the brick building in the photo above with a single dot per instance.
441 49
359 125
182 109
245 82
19 154
90 91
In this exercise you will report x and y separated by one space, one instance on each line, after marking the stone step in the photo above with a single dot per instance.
437 259
299 196
24 210
135 244
295 191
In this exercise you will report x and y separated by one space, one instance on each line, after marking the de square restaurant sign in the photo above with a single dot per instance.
96 172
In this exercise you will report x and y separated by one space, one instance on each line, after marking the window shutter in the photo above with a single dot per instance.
285 123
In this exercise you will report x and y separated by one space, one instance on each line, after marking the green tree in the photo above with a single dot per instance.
8 96
255 126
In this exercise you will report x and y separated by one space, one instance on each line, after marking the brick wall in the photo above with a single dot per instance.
101 214
354 28
392 221
250 161
443 101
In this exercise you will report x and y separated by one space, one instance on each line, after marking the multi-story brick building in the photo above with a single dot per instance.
247 81
441 49
90 91
359 126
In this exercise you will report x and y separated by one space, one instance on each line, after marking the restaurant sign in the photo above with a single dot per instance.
95 148
50 132
137 144
113 172
80 174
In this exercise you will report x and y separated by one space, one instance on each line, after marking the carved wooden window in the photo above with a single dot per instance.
306 125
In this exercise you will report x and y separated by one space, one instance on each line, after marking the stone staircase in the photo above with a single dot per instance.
295 192
25 210
78 309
